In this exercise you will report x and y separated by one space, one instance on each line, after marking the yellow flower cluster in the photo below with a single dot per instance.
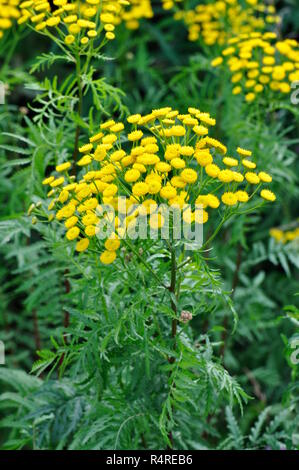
217 21
260 62
82 21
138 9
9 12
167 158
281 235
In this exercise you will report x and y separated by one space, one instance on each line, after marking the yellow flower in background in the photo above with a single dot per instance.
261 64
216 21
160 161
9 13
286 234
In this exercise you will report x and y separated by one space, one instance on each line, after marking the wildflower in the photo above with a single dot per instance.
212 170
226 176
48 180
71 222
265 177
230 161
154 186
132 175
72 233
268 195
252 178
212 201
177 131
178 163
85 148
110 190
86 160
217 61
107 257
163 167
134 118
63 166
82 244
250 97
242 196
229 199
168 192
135 135
248 164
63 196
112 244
200 130
189 175
203 158
140 189
69 39
238 177
57 182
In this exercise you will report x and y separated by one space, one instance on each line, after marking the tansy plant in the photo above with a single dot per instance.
215 22
166 160
260 64
164 164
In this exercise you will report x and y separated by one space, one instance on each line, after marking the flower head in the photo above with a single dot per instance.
152 165
79 23
261 64
215 22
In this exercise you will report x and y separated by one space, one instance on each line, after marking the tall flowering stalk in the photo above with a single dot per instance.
166 163
81 29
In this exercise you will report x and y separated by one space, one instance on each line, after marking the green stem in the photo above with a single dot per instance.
214 234
174 322
80 106
172 289
143 262
10 52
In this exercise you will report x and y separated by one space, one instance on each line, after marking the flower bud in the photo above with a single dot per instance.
185 316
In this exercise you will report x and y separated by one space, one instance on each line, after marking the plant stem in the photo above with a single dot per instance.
67 287
234 286
80 106
11 50
36 331
172 290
